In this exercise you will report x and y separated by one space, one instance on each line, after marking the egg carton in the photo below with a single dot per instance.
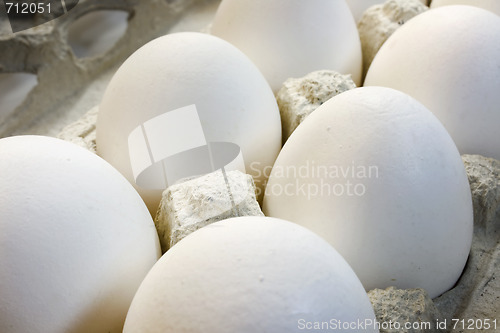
68 86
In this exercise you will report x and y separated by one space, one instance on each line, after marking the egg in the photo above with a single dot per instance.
374 173
448 58
76 239
249 274
492 5
187 90
291 38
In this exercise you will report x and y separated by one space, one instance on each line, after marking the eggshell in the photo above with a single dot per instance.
248 274
358 7
291 38
233 100
491 5
375 174
448 58
76 239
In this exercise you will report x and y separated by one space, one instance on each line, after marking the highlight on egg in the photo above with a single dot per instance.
291 38
491 5
249 274
448 59
374 173
76 239
174 97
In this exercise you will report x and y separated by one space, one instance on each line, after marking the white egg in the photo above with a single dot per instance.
358 7
291 38
202 76
448 58
76 239
374 173
491 5
246 275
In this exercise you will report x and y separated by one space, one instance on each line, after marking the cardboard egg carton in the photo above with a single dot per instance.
69 86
